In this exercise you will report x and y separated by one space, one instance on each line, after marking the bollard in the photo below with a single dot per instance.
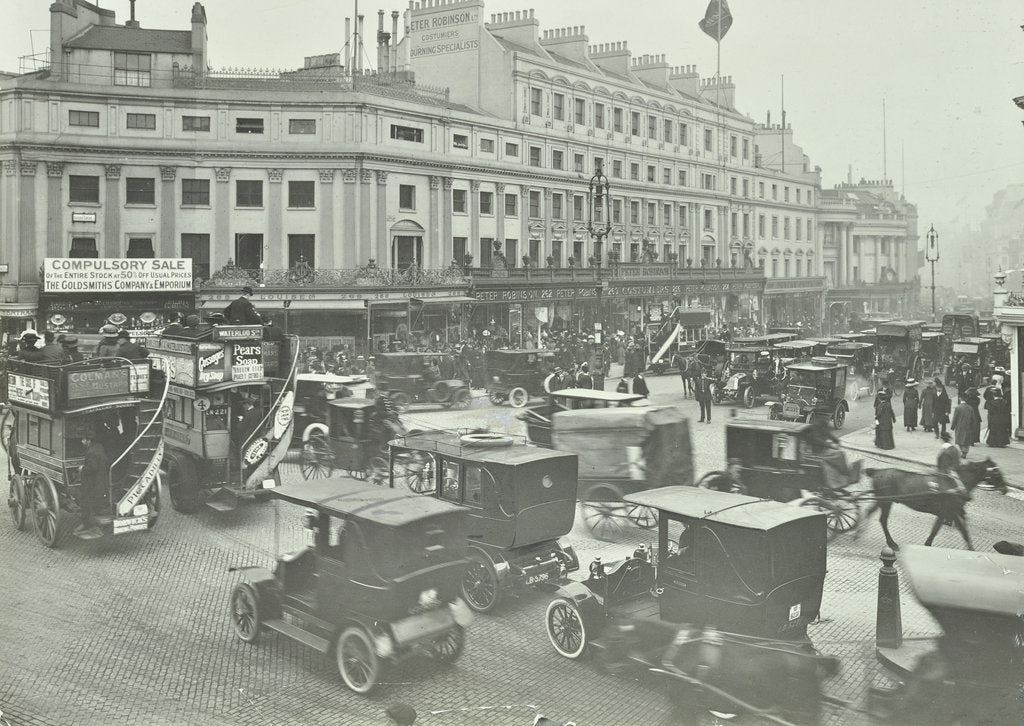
888 621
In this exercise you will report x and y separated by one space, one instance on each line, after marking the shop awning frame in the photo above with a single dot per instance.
448 299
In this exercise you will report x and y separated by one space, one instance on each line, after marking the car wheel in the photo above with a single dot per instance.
246 618
18 502
565 627
839 416
748 397
182 484
604 513
357 662
412 471
496 398
448 647
401 401
317 457
518 397
480 587
462 399
45 511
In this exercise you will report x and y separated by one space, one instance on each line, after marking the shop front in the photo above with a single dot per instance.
797 302
1009 312
528 311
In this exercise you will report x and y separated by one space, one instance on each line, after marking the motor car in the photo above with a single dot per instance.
410 378
516 376
814 388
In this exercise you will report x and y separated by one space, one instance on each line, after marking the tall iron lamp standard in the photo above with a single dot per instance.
931 254
599 222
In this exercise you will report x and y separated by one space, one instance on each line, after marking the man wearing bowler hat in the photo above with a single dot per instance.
242 311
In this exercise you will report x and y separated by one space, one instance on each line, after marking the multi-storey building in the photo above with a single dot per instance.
360 203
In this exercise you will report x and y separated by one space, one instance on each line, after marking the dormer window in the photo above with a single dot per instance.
132 69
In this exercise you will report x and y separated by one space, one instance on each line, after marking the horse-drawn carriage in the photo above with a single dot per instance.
538 418
313 391
421 378
353 438
116 407
517 376
720 607
934 353
814 388
749 376
898 351
859 359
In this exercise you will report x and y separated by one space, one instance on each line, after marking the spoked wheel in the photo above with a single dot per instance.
317 458
357 474
604 513
415 472
246 617
377 471
17 501
401 401
518 397
480 584
642 516
565 627
496 397
748 397
839 416
841 515
6 428
721 481
182 486
357 662
45 510
448 647
462 399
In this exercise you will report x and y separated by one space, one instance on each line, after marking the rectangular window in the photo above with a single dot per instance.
786 263
195 123
734 220
534 156
652 127
775 192
798 196
248 193
709 140
760 190
407 197
785 228
634 212
800 267
577 162
617 120
652 214
709 220
651 173
302 126
634 172
558 106
132 69
197 248
301 194
83 247
486 202
535 204
733 141
460 141
139 190
746 149
785 194
406 133
617 211
486 251
511 205
775 227
84 189
84 118
557 211
775 268
684 216
248 250
577 207
146 121
459 249
536 95
760 226
140 247
580 116
666 214
746 187
707 181
668 131
810 198
634 123
301 250
732 185
557 160
511 149
682 177
810 232
684 135
666 176
249 126
617 169
195 192
599 115
487 146
459 201
746 226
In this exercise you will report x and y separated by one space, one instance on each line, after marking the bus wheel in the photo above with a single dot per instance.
182 484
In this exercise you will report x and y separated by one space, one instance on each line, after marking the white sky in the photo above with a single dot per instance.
947 70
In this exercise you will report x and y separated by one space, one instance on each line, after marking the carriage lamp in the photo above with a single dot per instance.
597 568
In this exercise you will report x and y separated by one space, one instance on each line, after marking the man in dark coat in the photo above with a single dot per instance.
52 351
965 421
702 392
71 351
942 408
248 423
241 311
95 480
884 419
128 349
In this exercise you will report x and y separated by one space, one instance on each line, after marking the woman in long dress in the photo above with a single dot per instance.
911 401
998 420
942 408
928 406
884 420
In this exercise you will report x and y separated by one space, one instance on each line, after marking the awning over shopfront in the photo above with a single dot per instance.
442 300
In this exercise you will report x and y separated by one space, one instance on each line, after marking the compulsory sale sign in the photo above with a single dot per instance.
108 274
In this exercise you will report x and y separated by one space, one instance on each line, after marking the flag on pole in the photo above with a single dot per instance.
717 19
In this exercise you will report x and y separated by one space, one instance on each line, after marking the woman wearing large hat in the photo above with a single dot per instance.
108 346
911 402
884 420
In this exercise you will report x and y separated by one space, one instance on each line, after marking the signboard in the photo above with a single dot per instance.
965 348
98 383
179 368
83 217
212 363
441 30
28 390
109 274
247 362
558 293
271 357
238 332
138 378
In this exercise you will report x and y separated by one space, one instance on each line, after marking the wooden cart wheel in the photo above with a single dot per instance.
565 628
317 457
18 502
518 397
496 398
413 472
377 471
839 416
604 513
182 484
401 401
462 399
246 617
841 515
448 647
642 516
357 662
480 588
45 510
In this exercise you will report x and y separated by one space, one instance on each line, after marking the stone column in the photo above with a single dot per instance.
445 251
325 248
223 241
432 244
359 249
55 213
840 235
850 255
474 221
275 241
167 245
28 265
524 221
375 242
382 212
112 212
499 215
548 240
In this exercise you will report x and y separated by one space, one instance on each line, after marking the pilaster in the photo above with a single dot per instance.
56 218
275 246
474 221
324 255
223 245
359 250
446 248
376 246
382 213
112 246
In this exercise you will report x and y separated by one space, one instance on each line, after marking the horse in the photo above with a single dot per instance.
931 494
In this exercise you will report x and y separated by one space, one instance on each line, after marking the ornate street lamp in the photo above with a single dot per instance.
599 220
931 254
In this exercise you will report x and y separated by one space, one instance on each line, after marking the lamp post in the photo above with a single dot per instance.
599 223
931 254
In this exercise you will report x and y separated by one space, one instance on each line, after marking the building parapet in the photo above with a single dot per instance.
303 275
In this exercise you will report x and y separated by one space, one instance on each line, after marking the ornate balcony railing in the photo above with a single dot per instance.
303 275
636 271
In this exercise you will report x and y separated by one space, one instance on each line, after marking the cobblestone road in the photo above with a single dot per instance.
134 630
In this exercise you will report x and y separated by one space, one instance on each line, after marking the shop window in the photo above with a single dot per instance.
407 198
248 193
301 250
133 69
302 126
140 247
139 190
195 123
406 133
301 194
249 126
145 121
82 247
84 189
195 192
459 201
197 248
249 251
84 118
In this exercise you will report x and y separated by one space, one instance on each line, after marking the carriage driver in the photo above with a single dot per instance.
948 463
825 446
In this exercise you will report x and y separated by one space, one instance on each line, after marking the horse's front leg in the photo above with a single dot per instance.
961 524
883 519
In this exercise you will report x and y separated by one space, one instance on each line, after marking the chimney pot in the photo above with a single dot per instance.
531 13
